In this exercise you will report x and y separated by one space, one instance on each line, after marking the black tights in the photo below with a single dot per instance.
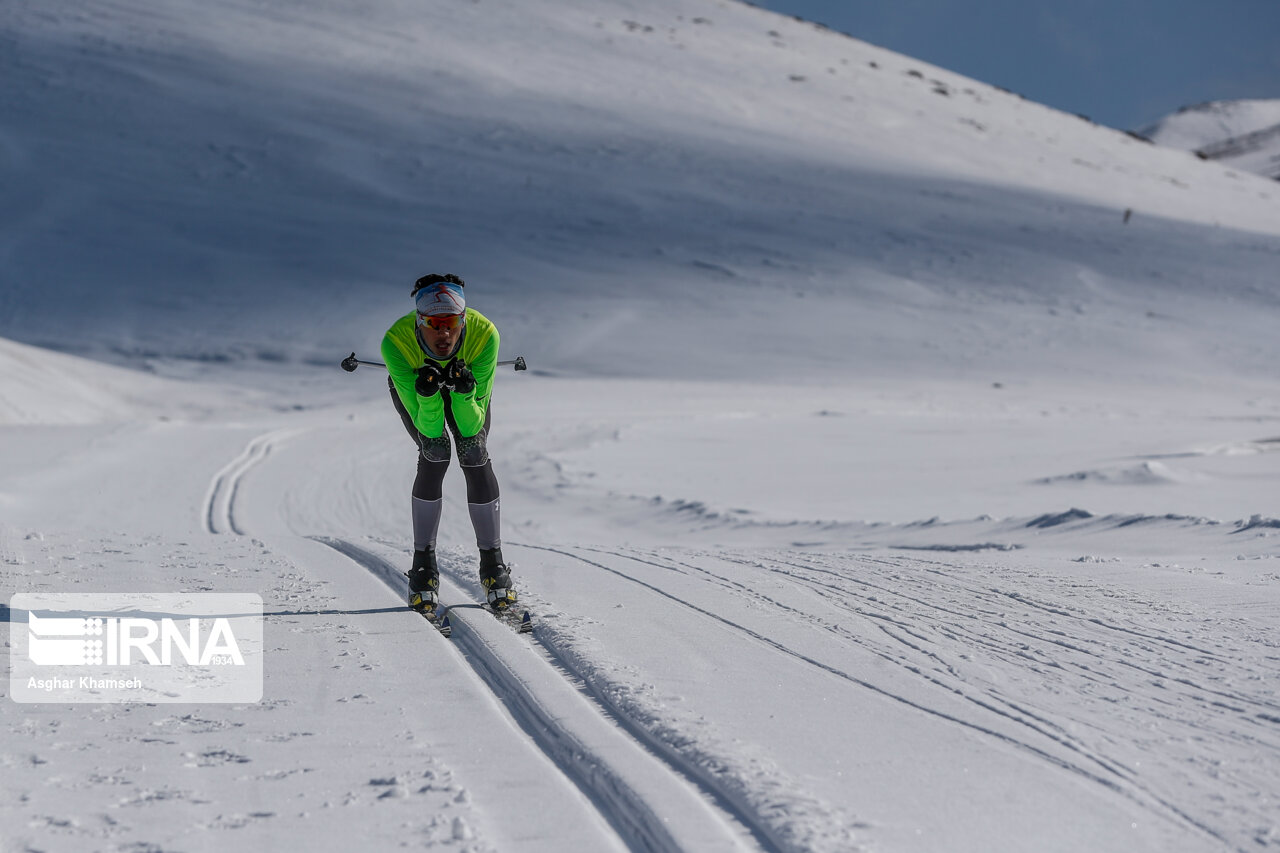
482 485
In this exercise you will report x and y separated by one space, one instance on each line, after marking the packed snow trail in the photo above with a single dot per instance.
781 698
952 627
649 805
704 654
367 735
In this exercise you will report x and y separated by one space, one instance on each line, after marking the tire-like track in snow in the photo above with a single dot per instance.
652 805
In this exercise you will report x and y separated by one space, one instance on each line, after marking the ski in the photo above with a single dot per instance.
440 621
516 618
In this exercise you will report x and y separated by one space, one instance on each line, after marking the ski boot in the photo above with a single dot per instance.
495 577
424 583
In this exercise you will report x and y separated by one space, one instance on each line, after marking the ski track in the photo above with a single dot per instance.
745 793
919 634
219 501
1019 651
626 801
936 621
725 796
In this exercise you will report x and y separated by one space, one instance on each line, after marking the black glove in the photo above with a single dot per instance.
458 377
430 378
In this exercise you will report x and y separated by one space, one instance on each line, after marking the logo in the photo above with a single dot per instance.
97 640
204 647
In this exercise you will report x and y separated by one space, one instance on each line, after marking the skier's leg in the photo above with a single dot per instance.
486 519
428 501
483 504
482 485
424 576
484 507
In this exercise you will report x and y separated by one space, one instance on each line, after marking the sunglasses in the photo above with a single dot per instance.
441 321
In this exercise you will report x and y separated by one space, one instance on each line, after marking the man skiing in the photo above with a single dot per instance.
441 358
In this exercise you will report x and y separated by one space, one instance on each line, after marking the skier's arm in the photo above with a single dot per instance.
427 413
469 409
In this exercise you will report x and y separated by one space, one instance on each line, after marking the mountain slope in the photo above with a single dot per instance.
43 387
1244 135
262 180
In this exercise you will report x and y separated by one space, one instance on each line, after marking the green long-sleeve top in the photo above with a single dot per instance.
404 354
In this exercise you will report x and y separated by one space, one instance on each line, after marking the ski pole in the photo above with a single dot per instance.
350 363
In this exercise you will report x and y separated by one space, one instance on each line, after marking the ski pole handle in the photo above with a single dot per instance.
350 363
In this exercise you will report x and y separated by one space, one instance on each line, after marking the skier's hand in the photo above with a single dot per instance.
430 378
458 377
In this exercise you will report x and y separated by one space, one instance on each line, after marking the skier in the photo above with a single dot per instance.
441 358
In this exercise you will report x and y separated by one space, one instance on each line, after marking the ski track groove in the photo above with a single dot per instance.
1170 643
1131 791
1040 637
219 502
727 799
1117 658
1159 706
1061 738
641 828
837 630
636 822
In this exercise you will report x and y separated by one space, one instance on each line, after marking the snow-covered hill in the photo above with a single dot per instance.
1242 134
896 468
43 387
263 180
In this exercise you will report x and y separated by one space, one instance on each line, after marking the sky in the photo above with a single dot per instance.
1123 63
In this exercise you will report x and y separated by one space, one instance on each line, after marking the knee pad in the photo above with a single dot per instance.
435 449
473 452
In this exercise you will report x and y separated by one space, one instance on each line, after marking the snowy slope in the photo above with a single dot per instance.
41 387
1242 134
263 180
877 483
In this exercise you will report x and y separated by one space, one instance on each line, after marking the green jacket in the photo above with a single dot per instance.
404 355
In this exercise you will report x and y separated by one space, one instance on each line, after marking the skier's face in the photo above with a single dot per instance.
441 340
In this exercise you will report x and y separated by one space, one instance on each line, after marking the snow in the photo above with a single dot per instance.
1242 134
876 484
43 387
1204 124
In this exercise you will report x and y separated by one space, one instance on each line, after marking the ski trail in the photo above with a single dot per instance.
730 800
904 635
219 501
1108 775
650 805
